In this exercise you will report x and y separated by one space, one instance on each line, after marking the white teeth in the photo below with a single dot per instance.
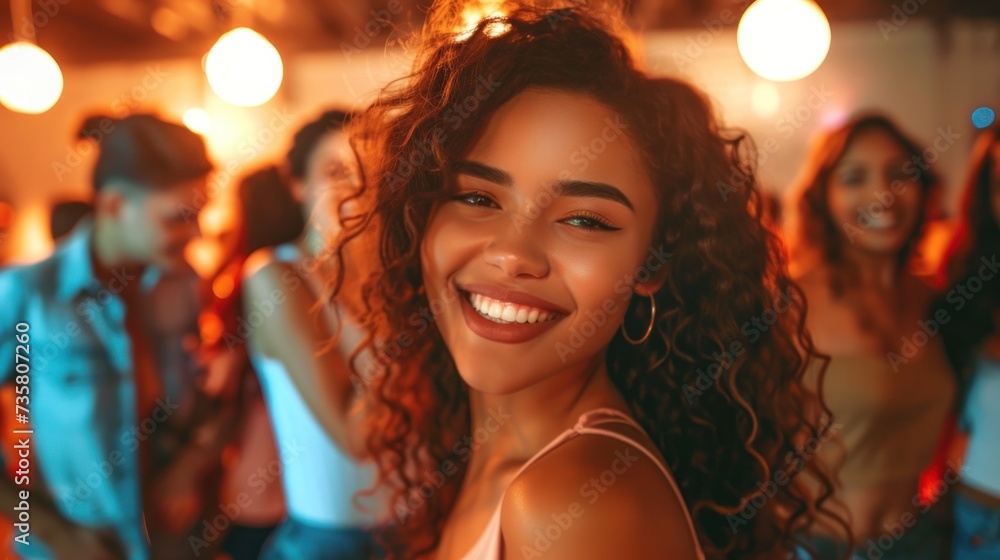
504 312
509 313
522 315
881 222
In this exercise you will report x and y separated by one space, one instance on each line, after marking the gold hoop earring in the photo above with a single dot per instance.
649 329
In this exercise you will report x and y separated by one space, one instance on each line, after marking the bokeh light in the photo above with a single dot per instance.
783 40
32 81
244 68
983 117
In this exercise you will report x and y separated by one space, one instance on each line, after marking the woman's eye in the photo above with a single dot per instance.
852 178
476 199
899 174
590 222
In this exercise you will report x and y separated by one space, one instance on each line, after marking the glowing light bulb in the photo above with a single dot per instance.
32 80
244 68
783 40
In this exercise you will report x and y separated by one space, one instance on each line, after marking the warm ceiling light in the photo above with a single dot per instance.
244 68
783 40
32 80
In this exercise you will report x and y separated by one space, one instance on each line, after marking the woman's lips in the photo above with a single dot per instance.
510 295
505 321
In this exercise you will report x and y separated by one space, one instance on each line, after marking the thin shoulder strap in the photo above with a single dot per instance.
612 416
607 416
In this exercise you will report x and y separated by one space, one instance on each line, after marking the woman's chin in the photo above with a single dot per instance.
491 380
887 243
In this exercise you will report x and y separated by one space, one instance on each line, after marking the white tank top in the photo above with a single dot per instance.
318 478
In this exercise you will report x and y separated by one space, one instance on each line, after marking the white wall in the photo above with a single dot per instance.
924 78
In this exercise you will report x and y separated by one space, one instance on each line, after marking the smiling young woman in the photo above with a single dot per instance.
563 280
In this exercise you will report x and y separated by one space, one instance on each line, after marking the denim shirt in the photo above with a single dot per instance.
83 407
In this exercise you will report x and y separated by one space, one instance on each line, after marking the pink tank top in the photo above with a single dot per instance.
489 546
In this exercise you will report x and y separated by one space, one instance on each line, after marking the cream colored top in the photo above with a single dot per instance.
888 422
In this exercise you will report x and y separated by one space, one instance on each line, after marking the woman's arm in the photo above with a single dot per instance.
299 336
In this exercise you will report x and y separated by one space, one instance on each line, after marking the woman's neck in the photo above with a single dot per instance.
880 272
522 423
312 242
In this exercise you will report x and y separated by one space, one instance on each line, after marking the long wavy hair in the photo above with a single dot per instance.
978 236
815 232
723 443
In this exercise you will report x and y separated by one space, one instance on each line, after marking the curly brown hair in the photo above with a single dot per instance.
724 434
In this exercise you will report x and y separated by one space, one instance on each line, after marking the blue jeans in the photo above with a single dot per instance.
927 538
977 531
295 540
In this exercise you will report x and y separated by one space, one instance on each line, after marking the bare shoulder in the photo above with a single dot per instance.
263 273
258 261
595 497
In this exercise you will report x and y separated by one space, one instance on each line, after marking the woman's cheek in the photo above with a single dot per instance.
843 204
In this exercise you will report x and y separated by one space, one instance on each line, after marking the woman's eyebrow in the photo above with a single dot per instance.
483 171
563 188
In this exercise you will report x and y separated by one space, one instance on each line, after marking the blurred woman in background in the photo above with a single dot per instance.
285 285
972 338
862 201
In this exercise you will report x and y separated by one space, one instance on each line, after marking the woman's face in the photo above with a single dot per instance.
874 194
330 168
529 262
